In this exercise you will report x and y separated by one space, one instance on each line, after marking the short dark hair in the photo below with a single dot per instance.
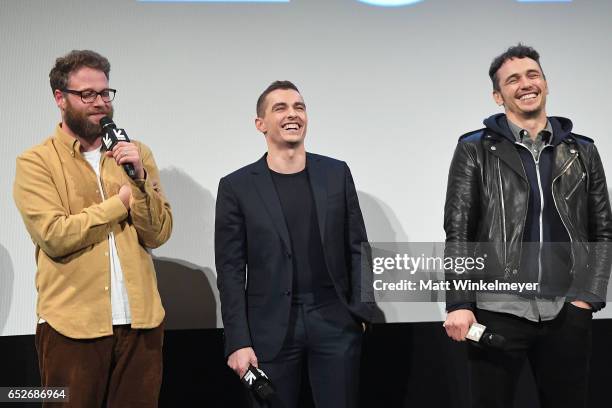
73 61
515 51
261 101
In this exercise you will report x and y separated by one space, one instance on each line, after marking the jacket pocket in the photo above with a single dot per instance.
578 316
573 190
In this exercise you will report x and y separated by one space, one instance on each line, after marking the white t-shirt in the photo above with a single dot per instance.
118 293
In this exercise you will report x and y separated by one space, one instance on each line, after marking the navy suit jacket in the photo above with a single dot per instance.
253 251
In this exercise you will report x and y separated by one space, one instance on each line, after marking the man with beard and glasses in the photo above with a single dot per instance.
533 194
100 316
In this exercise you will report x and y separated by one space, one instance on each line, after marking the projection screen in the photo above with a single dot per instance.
388 89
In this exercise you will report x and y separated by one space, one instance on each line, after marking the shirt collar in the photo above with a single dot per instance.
69 142
520 133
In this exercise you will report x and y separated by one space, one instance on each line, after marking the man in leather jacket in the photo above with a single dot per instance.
534 195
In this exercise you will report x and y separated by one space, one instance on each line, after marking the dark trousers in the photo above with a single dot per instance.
558 352
328 339
122 370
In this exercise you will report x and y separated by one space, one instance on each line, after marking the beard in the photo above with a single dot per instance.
79 123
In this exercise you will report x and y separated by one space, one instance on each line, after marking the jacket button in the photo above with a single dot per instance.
287 293
572 151
514 271
493 148
106 288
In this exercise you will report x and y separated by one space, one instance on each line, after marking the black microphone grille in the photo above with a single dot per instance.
106 121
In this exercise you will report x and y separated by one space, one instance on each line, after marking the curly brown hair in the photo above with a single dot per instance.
73 61
515 51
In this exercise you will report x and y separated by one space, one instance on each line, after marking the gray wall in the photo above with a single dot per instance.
389 90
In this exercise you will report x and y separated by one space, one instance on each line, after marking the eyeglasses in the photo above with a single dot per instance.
89 95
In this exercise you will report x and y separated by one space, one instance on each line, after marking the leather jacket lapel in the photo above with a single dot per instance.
501 147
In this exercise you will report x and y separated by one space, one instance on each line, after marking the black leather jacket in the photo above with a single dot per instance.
487 198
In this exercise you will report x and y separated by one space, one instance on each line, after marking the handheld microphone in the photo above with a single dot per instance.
111 137
478 334
258 383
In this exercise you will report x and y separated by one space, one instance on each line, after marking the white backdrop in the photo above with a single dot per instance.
389 90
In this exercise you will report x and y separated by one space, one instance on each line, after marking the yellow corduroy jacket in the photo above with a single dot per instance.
58 196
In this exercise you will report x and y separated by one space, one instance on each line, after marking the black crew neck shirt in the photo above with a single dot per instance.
297 202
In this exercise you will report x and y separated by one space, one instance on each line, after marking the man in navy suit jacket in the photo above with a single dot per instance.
293 264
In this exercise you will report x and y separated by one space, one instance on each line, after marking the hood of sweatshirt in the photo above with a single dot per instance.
498 123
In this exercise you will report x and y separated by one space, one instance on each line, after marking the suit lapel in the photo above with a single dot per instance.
265 187
318 183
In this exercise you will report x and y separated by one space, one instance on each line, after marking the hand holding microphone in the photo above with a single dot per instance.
458 323
241 359
118 146
244 363
461 325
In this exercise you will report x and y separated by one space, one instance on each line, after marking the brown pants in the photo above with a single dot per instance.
123 370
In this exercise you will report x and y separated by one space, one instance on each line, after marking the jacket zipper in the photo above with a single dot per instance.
541 222
503 208
566 166
564 169
573 190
